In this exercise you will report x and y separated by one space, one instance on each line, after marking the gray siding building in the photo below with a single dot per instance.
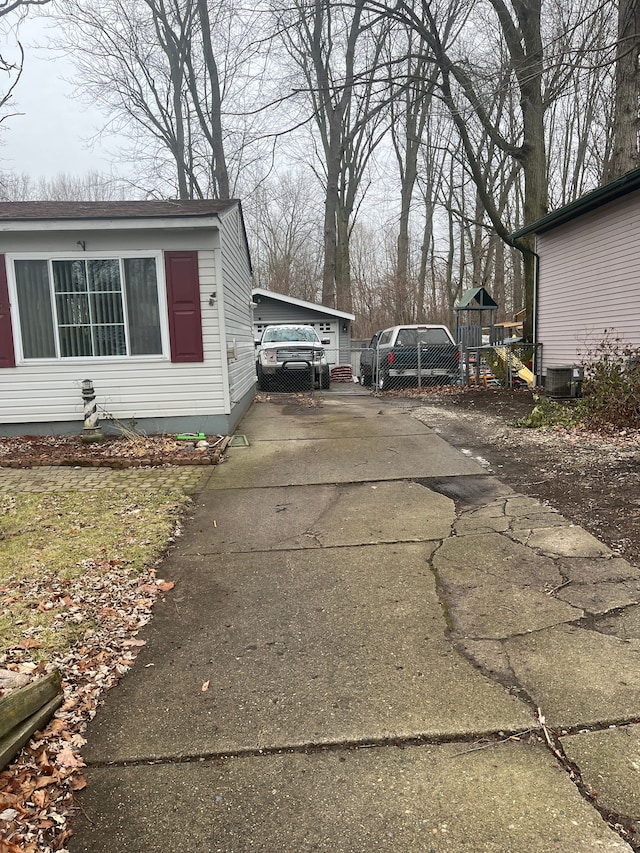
271 308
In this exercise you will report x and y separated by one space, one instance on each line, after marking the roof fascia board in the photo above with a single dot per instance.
111 224
280 297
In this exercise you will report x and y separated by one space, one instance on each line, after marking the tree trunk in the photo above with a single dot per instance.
624 156
344 299
220 174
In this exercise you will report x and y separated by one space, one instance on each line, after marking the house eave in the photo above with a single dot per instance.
602 195
111 224
300 303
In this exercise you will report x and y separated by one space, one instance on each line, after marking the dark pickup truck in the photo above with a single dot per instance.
410 355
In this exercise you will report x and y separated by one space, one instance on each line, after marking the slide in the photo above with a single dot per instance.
507 358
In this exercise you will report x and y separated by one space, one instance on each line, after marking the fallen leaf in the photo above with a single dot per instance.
8 847
40 798
205 687
78 782
66 758
28 644
9 814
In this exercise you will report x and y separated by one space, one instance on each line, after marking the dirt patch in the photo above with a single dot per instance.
593 480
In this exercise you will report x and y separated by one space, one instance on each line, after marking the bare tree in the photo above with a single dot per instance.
412 81
151 64
337 49
11 13
9 6
92 186
286 237
624 155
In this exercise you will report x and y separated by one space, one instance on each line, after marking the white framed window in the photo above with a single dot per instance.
89 307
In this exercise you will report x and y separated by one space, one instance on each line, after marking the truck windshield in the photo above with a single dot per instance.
413 337
290 333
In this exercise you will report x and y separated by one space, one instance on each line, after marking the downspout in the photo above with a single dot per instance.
537 367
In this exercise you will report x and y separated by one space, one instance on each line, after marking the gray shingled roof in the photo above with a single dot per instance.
39 210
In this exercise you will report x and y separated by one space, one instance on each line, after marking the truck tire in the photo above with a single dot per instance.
384 381
264 382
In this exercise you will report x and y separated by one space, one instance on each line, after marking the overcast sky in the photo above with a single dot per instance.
50 135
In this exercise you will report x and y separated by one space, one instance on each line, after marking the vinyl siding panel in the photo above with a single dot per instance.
238 345
589 281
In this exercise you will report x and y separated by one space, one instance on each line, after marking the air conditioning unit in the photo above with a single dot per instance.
558 382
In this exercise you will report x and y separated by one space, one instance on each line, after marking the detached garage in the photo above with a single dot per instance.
271 308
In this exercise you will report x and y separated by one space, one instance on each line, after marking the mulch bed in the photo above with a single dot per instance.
30 451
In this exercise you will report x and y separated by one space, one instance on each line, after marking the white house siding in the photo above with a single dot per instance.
151 392
589 281
238 346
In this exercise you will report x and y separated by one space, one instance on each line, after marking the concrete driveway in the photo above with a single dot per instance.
372 646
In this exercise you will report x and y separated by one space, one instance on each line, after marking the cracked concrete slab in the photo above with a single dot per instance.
494 588
609 763
282 518
300 649
490 657
578 676
323 654
625 625
385 512
565 541
449 798
507 513
597 569
498 611
497 558
598 598
341 460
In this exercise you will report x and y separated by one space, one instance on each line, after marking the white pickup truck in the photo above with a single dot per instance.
289 352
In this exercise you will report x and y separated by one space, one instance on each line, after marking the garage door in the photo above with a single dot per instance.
328 332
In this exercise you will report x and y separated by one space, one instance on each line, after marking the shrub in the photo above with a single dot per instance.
611 391
549 413
611 386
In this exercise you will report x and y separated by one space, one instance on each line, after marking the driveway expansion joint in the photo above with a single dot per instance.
489 739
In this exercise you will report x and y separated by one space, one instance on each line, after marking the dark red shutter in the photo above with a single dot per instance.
7 352
183 295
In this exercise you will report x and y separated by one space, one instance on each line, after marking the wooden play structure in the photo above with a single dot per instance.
487 348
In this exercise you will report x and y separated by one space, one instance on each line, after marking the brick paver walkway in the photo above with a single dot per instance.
64 479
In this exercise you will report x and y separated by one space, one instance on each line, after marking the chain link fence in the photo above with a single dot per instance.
295 375
510 365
